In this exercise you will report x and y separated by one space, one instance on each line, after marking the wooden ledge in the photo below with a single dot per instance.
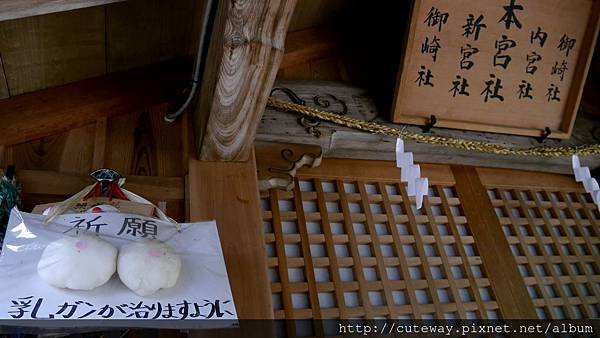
343 142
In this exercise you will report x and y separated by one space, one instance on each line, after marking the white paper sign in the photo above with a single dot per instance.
201 297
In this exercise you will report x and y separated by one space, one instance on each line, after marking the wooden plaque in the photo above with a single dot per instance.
508 66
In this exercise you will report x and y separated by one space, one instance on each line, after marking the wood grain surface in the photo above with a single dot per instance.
228 193
245 51
54 110
143 32
343 142
578 20
52 50
15 9
511 293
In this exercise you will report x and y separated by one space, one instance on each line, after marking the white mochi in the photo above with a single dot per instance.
147 266
80 263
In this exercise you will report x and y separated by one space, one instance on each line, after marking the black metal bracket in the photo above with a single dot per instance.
311 124
322 101
290 93
432 121
545 133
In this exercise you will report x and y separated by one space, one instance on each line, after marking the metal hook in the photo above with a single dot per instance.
545 133
432 121
309 123
321 100
290 94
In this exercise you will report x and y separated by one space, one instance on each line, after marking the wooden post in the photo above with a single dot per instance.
245 50
228 193
511 293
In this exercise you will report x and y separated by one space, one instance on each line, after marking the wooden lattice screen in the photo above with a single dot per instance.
553 236
345 243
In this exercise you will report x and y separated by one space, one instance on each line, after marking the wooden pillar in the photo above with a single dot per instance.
244 53
228 193
511 293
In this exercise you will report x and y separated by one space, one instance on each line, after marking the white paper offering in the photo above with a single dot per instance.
201 297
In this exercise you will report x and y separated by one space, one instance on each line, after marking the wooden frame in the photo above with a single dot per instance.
564 128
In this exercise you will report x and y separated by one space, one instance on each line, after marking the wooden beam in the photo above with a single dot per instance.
346 169
343 142
246 48
50 111
43 182
509 288
228 193
509 179
15 9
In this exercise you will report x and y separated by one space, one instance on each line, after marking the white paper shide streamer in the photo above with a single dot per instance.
410 173
590 184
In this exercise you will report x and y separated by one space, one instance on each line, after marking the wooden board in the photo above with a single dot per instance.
228 193
14 9
343 142
51 50
314 13
161 30
142 143
69 152
59 109
46 50
442 58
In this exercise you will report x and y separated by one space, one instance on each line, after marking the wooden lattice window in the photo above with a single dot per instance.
488 243
553 236
354 248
